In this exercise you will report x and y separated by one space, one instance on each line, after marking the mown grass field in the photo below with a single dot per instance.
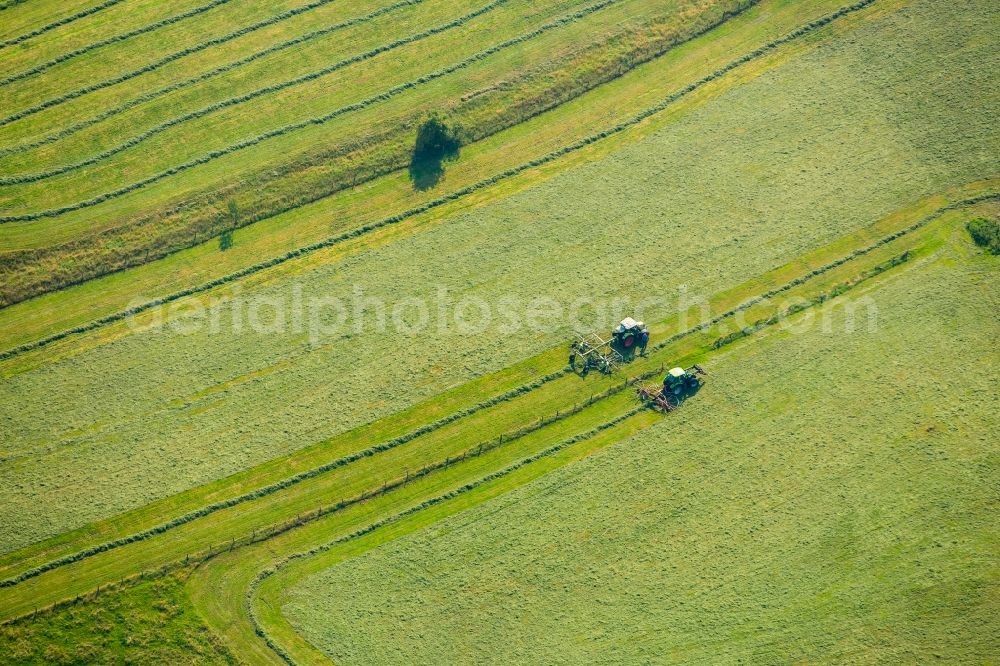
179 494
393 194
822 483
307 146
193 412
324 481
150 623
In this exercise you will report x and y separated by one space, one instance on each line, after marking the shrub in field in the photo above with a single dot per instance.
436 143
986 233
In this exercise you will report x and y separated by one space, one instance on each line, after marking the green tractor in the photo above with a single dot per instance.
678 385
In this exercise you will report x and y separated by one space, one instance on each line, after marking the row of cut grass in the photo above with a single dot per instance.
292 114
68 126
65 20
153 234
114 39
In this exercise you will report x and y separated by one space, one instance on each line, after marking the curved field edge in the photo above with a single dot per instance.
257 613
897 297
757 307
451 197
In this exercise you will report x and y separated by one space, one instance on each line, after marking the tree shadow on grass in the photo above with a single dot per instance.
436 144
426 173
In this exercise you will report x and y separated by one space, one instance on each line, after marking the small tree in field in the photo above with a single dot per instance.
226 239
986 233
436 143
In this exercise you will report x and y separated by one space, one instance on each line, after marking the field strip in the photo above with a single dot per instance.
613 389
268 90
251 591
284 483
273 569
80 92
281 131
38 69
56 24
458 194
283 563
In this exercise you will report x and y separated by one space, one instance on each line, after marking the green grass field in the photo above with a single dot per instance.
824 482
361 385
69 420
303 142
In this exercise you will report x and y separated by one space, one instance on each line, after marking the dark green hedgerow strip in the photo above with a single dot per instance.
260 92
472 485
309 249
111 40
283 484
55 24
61 134
287 129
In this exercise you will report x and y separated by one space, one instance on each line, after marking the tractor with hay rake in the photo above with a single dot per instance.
592 352
678 385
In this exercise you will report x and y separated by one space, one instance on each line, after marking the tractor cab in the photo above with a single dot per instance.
628 336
